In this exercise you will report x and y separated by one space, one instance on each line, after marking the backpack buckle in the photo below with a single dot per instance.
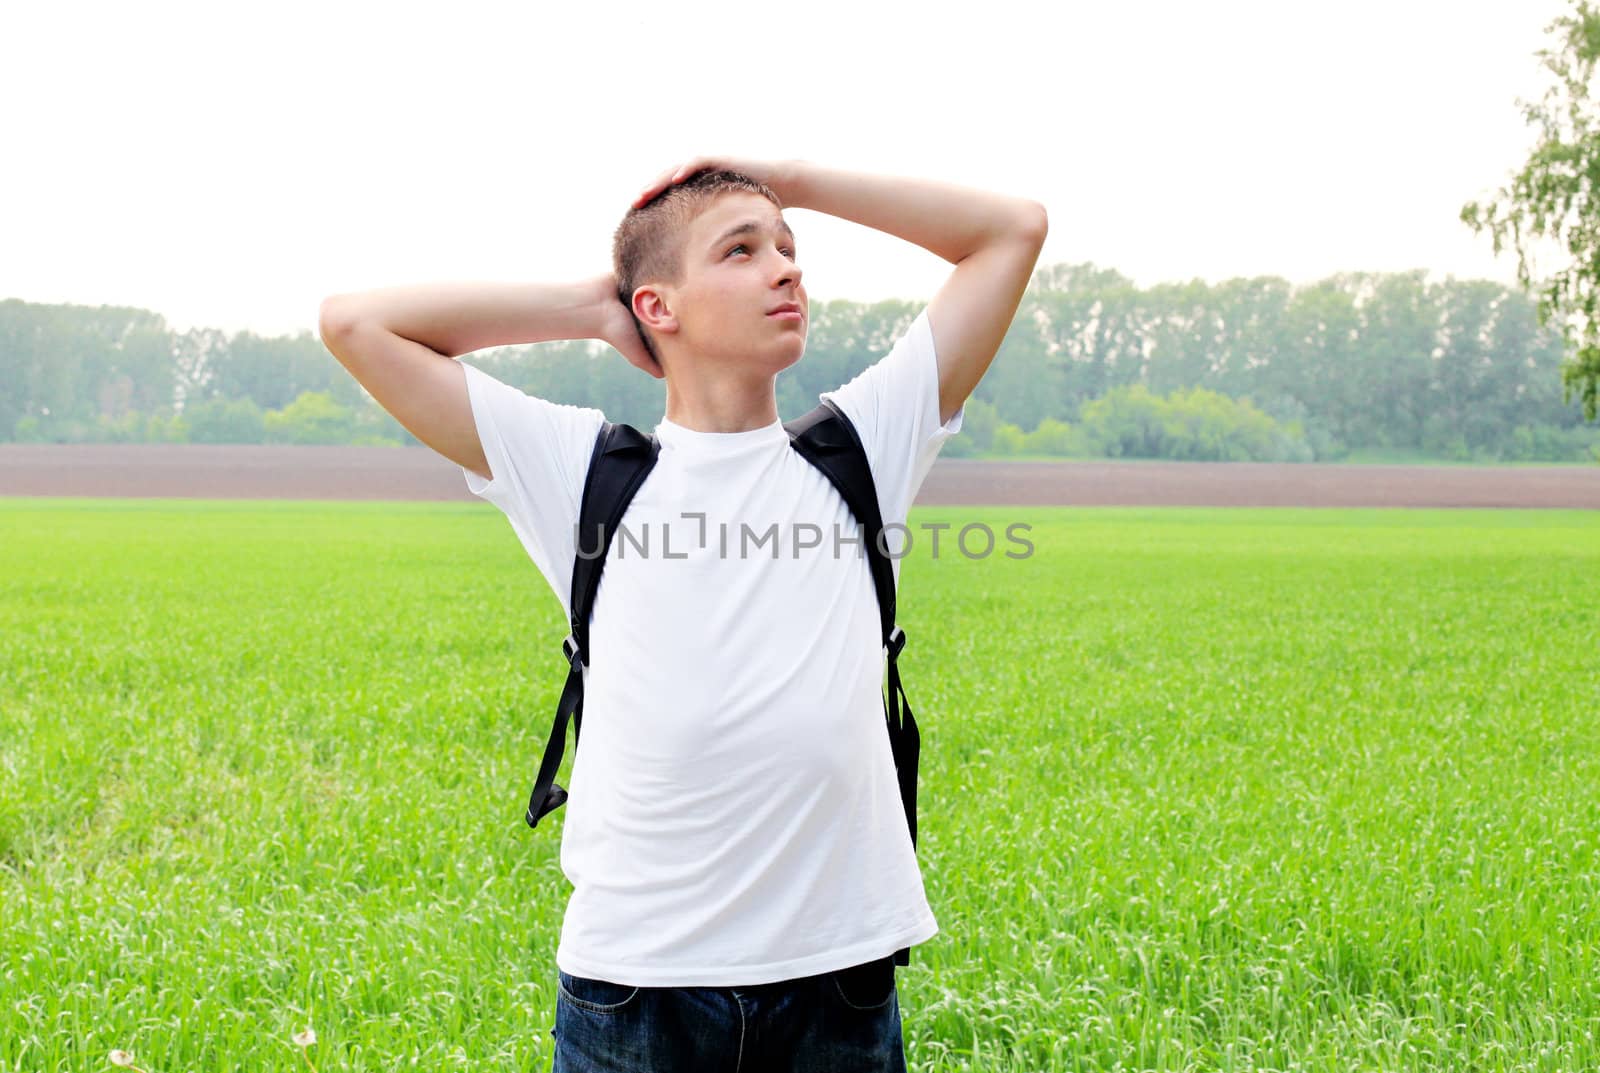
897 641
570 649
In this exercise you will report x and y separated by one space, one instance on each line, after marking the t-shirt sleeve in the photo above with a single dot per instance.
538 452
894 405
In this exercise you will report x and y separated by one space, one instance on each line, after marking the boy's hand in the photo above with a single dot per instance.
618 328
774 175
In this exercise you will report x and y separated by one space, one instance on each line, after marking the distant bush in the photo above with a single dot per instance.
225 421
978 422
131 427
1442 437
1547 443
315 418
1053 437
1192 425
1008 439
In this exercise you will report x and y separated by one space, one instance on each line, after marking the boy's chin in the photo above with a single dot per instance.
783 358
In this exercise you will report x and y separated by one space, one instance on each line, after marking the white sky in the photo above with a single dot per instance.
230 167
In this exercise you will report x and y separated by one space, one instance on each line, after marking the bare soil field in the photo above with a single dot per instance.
394 473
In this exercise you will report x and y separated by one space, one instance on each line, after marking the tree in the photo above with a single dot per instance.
1557 195
274 371
1399 333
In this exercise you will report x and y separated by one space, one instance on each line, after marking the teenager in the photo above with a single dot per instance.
742 871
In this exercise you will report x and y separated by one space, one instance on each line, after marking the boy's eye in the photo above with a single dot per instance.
741 246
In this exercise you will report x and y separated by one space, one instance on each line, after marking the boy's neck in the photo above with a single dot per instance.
722 406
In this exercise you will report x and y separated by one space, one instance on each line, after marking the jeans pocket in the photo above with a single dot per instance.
596 996
868 986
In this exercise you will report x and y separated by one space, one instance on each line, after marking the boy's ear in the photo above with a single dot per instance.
650 306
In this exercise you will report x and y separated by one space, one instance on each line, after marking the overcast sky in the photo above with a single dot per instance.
229 166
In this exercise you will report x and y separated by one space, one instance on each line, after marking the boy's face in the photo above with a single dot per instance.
738 267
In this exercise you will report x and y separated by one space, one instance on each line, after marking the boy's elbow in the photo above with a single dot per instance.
1035 220
335 325
331 316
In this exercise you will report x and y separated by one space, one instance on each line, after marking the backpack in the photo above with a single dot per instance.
623 456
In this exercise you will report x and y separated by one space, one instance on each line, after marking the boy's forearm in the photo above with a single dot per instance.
458 318
949 220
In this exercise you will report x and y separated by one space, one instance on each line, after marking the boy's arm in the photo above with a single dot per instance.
993 240
398 343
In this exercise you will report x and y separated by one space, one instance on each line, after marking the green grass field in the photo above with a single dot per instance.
1200 790
1359 456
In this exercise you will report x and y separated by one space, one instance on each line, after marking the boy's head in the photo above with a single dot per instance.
680 277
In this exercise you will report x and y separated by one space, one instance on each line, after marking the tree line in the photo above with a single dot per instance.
1356 365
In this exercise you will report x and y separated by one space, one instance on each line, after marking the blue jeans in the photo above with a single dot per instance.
846 1021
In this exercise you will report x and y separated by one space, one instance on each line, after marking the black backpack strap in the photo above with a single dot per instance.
623 456
827 439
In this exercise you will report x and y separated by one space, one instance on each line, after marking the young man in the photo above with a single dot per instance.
741 867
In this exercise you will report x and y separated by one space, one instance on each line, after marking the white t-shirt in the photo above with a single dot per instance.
733 816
